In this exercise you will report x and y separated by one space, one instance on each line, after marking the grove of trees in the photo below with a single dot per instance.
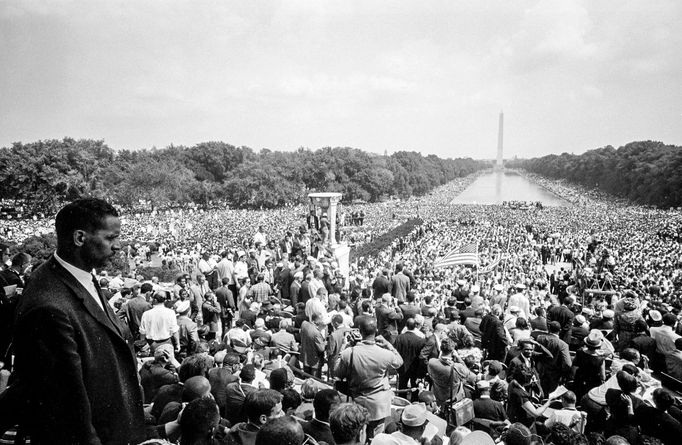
44 174
645 172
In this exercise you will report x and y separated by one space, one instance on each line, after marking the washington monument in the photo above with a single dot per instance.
499 164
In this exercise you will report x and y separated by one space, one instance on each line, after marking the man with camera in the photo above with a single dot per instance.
366 367
388 315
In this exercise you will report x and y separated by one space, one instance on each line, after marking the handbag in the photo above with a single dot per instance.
343 385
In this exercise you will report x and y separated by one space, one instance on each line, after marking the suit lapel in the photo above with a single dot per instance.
84 296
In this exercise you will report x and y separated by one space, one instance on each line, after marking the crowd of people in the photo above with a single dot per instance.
562 333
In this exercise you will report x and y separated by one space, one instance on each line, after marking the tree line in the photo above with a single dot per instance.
646 172
45 173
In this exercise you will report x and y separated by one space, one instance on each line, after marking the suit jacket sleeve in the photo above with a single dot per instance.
319 342
502 334
425 353
50 335
566 361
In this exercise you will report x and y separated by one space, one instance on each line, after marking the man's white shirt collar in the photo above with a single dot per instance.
83 277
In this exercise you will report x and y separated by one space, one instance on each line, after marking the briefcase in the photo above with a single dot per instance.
462 412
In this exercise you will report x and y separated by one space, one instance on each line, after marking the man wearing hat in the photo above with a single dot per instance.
413 425
487 408
665 335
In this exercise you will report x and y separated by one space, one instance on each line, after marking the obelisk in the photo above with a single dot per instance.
499 164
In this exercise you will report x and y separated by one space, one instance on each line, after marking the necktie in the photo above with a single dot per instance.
103 300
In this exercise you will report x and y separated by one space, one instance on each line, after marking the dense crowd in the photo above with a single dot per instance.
562 333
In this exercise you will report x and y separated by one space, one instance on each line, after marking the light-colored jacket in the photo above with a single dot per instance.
369 376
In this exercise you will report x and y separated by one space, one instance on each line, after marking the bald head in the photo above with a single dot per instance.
195 388
367 326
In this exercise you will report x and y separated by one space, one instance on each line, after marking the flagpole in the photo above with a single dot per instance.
504 272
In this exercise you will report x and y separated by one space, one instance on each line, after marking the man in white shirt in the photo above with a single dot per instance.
159 324
241 270
665 336
259 237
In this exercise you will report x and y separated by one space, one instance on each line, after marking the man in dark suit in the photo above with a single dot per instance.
381 285
487 408
74 362
388 317
409 344
303 291
313 345
410 308
493 336
564 315
335 341
295 288
431 348
136 306
227 365
227 305
552 369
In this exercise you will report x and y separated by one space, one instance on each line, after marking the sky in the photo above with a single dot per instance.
428 76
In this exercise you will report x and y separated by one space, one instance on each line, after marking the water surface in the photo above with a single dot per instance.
496 187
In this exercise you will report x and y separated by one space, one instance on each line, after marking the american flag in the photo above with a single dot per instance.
466 254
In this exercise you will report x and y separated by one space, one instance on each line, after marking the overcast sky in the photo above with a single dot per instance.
429 76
